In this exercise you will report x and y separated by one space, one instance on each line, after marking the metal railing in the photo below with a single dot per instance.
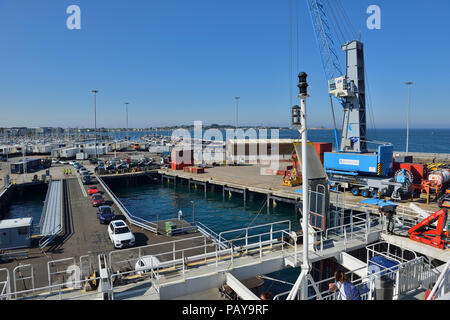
62 291
5 285
61 268
407 277
200 251
213 236
442 285
248 230
139 222
119 280
18 276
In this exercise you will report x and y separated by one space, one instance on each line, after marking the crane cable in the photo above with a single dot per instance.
290 48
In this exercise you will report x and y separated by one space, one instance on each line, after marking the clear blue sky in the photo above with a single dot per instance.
178 61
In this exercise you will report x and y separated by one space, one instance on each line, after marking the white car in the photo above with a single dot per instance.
120 235
146 264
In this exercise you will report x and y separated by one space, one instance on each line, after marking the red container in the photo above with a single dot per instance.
322 147
188 169
176 166
198 170
419 171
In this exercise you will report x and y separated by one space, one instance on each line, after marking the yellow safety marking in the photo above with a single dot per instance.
82 187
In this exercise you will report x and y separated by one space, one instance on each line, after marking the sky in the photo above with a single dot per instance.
179 61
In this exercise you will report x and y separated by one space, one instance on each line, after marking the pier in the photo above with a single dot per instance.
248 180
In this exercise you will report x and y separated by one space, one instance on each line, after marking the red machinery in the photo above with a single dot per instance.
424 231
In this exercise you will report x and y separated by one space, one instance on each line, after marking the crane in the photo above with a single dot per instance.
352 167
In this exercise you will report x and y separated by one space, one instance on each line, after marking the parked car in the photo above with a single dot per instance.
93 161
92 190
86 179
122 166
105 214
146 264
82 169
76 165
120 235
97 200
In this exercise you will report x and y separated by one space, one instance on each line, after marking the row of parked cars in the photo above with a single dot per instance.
128 164
119 232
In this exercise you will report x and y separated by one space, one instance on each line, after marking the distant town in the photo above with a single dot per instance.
45 131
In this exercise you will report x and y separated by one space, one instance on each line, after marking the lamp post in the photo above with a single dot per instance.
128 133
237 110
409 83
95 120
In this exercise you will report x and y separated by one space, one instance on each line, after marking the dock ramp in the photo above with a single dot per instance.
51 222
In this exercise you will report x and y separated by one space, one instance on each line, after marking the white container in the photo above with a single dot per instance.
81 156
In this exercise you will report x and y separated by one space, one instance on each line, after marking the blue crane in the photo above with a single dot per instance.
352 166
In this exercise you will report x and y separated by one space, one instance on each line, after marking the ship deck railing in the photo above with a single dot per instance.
201 250
407 276
189 257
442 285
70 290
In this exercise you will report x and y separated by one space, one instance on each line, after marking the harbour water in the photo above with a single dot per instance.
419 139
30 204
155 202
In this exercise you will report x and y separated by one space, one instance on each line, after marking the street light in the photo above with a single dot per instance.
95 120
128 133
237 110
409 83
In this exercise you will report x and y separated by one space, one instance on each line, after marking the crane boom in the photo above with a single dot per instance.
327 47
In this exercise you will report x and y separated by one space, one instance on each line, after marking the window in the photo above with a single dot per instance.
22 231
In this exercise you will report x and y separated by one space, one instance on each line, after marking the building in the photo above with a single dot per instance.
15 233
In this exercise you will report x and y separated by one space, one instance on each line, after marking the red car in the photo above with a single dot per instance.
92 190
97 200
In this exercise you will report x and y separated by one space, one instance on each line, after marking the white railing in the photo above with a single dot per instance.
63 291
61 267
137 221
207 232
407 277
5 285
119 280
442 284
247 230
200 251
